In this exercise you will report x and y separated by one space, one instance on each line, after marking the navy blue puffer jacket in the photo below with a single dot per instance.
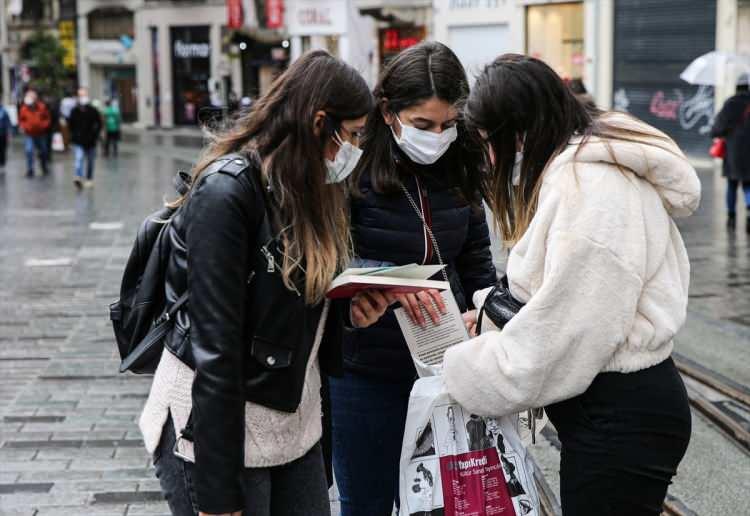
386 228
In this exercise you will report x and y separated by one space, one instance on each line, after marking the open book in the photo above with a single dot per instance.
427 345
405 279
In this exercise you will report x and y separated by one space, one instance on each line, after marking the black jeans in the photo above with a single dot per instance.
622 441
110 144
295 489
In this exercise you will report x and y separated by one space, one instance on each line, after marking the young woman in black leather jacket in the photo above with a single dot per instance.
417 158
233 417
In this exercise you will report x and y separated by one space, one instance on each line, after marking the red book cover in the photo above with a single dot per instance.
351 289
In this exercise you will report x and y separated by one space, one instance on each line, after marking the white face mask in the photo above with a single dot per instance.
344 163
424 147
83 101
28 100
517 168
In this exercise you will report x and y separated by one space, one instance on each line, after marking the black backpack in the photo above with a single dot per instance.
140 318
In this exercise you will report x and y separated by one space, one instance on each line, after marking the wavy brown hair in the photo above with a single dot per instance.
279 129
521 99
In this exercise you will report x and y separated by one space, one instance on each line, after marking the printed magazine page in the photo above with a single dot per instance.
427 345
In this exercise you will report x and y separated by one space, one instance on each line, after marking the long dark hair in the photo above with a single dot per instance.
426 70
521 99
279 128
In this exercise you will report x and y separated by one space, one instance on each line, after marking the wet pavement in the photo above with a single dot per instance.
69 442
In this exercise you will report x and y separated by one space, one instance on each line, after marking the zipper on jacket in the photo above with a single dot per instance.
424 205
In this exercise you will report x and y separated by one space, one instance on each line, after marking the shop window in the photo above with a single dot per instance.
111 23
395 39
36 11
554 34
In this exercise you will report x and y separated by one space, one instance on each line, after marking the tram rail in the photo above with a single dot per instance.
724 402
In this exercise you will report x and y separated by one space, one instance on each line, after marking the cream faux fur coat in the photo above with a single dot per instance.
603 271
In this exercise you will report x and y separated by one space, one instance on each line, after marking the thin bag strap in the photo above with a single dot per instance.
427 228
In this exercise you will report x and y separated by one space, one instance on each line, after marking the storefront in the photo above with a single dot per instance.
555 34
397 25
184 63
651 48
479 30
191 72
333 25
393 40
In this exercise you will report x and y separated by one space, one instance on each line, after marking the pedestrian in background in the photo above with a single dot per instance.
5 129
733 124
416 200
587 204
264 231
112 121
85 125
34 120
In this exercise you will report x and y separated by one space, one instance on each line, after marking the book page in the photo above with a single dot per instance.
427 345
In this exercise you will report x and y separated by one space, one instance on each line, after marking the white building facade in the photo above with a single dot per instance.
575 38
333 25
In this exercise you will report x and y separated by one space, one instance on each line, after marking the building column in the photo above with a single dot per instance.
726 41
344 48
165 77
599 37
5 69
144 74
84 70
295 48
214 40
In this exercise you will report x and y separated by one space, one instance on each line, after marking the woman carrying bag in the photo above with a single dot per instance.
415 200
586 201
234 413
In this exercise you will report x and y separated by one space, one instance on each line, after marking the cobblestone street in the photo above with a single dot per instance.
69 441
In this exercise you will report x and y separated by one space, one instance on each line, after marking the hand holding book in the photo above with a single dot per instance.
368 306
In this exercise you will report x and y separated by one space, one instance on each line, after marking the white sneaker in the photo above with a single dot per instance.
89 184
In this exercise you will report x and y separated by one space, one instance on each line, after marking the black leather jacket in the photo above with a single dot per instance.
245 334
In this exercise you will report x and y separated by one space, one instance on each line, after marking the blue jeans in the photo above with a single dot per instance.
295 489
40 144
368 416
732 185
90 155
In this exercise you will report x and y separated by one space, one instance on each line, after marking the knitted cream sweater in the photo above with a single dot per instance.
602 269
272 437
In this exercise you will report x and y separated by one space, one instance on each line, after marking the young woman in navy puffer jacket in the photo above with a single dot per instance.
418 158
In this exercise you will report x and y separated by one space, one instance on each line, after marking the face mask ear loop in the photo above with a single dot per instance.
337 139
401 124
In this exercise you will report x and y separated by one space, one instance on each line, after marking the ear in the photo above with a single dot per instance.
386 112
319 122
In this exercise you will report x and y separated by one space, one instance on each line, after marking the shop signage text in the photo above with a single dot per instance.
191 50
475 4
309 17
67 37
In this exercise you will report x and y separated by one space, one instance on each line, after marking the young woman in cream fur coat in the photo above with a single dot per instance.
587 204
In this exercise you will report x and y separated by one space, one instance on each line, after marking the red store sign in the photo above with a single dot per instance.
274 14
234 14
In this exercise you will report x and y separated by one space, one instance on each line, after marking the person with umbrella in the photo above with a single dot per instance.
733 124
